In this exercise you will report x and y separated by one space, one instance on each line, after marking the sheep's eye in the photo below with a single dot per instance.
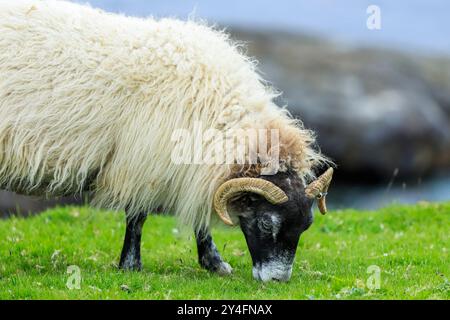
266 224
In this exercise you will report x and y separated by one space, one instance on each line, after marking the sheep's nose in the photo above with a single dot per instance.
265 274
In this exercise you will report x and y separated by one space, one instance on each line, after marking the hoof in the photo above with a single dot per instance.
224 269
130 265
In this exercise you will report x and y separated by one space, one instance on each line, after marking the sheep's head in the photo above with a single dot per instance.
273 211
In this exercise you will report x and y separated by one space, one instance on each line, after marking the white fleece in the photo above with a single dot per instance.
90 99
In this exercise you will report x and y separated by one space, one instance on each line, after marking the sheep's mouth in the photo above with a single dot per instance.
272 271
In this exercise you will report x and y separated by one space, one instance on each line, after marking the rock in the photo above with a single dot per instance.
12 203
374 110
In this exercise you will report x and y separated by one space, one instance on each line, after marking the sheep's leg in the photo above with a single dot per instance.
130 259
208 256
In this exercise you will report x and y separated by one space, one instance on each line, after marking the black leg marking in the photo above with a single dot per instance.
130 259
208 256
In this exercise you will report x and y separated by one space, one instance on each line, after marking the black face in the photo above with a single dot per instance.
272 231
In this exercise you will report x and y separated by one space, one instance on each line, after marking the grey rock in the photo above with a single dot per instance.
12 203
375 111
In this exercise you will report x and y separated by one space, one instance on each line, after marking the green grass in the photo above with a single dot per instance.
408 243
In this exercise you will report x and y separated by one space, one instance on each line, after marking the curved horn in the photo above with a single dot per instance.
318 189
228 189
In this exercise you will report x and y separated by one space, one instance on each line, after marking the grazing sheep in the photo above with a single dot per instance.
89 101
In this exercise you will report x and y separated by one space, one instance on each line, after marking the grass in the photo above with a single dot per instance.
409 245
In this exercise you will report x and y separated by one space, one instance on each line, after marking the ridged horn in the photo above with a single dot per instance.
228 189
318 189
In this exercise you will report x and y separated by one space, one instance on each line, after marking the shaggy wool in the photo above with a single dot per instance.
89 101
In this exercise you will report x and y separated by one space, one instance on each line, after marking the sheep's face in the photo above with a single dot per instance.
272 231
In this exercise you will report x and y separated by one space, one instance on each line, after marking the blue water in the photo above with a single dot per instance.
412 25
376 196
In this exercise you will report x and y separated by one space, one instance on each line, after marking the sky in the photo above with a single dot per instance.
411 25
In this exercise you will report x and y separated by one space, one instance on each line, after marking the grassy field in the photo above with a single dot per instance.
407 247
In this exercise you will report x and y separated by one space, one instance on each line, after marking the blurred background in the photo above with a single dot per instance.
379 99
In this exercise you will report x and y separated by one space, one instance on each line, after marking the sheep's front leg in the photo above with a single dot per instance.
208 256
130 259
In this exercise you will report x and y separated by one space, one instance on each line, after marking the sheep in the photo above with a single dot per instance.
89 101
